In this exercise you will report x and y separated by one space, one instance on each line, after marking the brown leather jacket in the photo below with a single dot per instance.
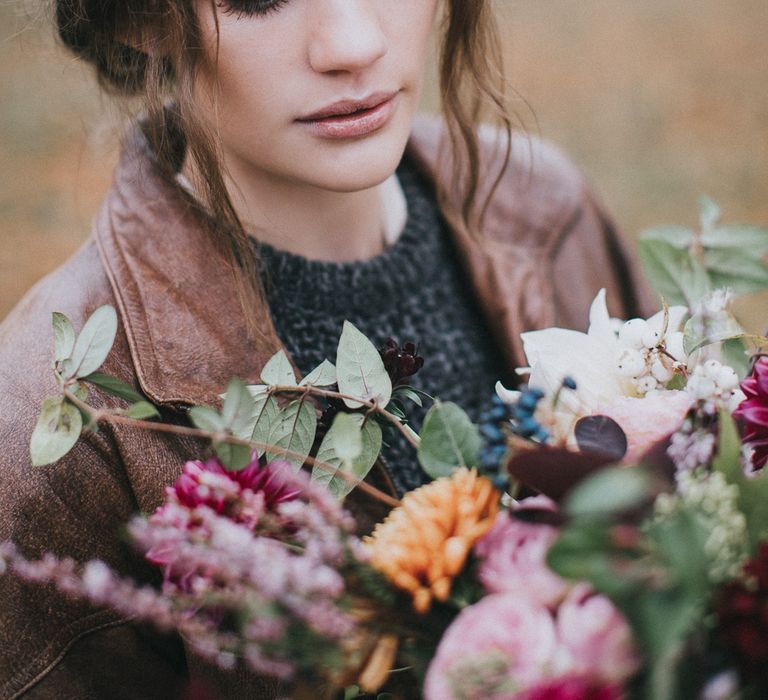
547 248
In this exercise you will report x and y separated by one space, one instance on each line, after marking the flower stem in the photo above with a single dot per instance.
96 415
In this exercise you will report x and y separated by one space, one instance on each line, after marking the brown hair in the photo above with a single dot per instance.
111 35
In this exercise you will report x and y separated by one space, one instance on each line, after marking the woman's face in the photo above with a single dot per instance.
313 92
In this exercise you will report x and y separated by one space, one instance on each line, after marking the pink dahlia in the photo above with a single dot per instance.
211 484
753 412
513 557
648 420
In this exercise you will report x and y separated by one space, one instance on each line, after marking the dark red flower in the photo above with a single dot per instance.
753 412
573 689
400 362
742 617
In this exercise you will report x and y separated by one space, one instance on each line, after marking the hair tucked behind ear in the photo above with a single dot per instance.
152 49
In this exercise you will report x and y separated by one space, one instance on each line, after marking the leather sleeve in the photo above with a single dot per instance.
590 254
50 645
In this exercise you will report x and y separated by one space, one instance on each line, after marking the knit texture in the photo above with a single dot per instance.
414 291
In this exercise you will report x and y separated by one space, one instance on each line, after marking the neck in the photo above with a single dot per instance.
309 221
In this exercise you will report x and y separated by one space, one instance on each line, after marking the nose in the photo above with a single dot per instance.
345 35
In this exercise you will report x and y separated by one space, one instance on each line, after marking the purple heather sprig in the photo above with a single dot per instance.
253 564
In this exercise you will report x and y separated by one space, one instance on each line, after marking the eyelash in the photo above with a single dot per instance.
244 8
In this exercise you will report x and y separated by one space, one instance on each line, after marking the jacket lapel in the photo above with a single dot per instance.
175 291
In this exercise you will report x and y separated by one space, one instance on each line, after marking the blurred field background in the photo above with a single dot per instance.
658 100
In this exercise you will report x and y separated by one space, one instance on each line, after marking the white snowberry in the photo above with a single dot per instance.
632 332
631 363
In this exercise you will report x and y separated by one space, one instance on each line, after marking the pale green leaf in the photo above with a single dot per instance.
348 436
360 370
676 236
449 440
266 417
207 419
607 492
737 269
323 375
56 432
63 336
238 409
337 443
709 214
93 344
142 410
294 431
752 240
114 386
233 457
673 273
279 371
407 392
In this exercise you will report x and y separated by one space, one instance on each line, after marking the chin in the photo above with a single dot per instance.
357 166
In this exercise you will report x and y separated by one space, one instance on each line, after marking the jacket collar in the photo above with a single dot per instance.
177 298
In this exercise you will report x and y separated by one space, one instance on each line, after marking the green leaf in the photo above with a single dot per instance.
337 446
56 432
737 269
736 356
279 371
207 419
360 370
323 375
702 330
609 491
63 335
348 441
676 236
673 272
233 457
728 457
114 386
408 392
749 239
294 431
709 213
93 344
141 410
238 409
449 440
266 417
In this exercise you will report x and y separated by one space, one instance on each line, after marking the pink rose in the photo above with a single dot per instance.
493 649
596 637
513 557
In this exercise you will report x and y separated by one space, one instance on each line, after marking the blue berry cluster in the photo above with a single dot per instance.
524 424
517 419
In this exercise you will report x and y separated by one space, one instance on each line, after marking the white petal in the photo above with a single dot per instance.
506 395
676 316
600 324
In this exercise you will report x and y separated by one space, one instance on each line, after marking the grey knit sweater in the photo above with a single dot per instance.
414 291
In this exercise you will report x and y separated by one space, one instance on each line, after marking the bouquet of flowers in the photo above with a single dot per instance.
600 534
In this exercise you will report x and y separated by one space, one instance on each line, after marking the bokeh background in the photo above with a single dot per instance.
659 101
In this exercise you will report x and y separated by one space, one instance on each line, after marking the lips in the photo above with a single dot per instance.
348 119
346 107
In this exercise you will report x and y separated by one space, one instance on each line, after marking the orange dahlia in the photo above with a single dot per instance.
423 544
